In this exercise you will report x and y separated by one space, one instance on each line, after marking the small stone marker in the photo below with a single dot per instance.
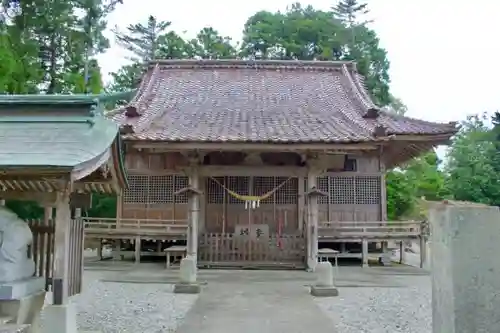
324 286
187 276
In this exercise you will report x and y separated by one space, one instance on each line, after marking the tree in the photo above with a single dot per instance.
146 42
400 195
472 174
349 11
142 40
420 178
304 33
209 44
396 105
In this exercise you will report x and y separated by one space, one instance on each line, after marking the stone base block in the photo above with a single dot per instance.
13 328
59 319
187 288
322 291
21 288
24 310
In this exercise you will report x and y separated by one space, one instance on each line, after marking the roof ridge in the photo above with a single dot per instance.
256 63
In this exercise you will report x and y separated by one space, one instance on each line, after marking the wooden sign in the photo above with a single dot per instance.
254 231
80 200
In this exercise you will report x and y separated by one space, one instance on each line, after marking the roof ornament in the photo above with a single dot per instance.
126 129
380 131
131 111
371 113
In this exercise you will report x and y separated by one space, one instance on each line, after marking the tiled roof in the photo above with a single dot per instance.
260 101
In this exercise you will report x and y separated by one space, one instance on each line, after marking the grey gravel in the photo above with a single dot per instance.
112 307
382 310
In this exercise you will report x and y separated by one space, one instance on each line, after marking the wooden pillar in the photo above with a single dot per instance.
99 249
383 188
301 202
119 209
194 212
60 283
364 251
402 253
423 251
203 207
137 252
312 221
383 194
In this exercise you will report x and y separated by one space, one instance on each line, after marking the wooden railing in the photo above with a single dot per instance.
340 230
96 225
42 252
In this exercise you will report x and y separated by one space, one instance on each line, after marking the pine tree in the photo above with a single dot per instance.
348 12
142 40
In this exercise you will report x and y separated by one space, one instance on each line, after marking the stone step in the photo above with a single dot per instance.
14 328
5 319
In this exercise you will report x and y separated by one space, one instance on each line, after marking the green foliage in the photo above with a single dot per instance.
26 210
400 195
420 178
305 33
471 163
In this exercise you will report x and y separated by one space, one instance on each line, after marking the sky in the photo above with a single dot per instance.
444 54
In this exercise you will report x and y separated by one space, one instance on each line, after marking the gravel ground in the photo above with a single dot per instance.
382 310
129 307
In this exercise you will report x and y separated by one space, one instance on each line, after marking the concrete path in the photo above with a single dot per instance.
240 303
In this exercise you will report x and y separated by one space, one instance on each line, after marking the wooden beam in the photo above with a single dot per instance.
229 146
43 198
419 138
258 170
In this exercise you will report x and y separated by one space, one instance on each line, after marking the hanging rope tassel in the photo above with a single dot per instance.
280 227
253 200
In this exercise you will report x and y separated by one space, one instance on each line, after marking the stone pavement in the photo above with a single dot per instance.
247 302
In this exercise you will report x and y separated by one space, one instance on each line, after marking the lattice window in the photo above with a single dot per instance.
288 193
161 189
215 192
262 185
137 192
368 190
180 182
238 184
323 185
341 190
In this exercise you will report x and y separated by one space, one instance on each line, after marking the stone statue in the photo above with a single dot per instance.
15 236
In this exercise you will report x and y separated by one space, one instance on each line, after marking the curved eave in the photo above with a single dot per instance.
118 161
113 182
399 152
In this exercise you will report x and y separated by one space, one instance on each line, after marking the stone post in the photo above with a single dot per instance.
324 286
465 268
187 277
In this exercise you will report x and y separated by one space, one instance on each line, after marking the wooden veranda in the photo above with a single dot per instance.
56 150
256 162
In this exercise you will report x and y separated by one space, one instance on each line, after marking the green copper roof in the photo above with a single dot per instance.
60 131
81 100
